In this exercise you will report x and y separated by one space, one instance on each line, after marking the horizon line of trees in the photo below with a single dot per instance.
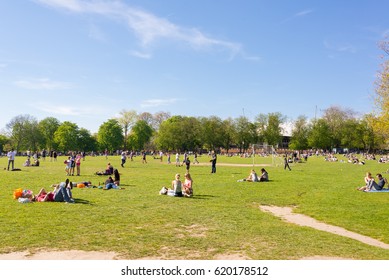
337 128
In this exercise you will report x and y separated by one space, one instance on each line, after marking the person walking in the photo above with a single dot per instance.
213 161
286 163
123 158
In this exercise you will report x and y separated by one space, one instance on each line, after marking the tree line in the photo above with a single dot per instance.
337 128
131 131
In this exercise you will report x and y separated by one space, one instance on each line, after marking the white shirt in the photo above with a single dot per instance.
11 155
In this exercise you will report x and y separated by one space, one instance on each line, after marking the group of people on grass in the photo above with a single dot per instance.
179 188
373 185
28 163
73 162
61 193
253 176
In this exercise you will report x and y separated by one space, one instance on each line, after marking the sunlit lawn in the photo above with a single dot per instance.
222 218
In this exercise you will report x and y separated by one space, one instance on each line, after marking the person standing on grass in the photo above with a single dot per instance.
72 164
168 157
187 163
123 158
78 164
144 157
11 159
178 159
286 163
195 159
213 161
161 156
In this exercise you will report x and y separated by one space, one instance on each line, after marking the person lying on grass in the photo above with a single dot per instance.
61 193
373 185
110 184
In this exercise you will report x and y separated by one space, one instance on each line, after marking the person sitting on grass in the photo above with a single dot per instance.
108 170
253 177
27 162
372 185
264 176
187 187
36 162
176 189
117 177
367 180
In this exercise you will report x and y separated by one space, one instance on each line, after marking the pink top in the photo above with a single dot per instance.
188 183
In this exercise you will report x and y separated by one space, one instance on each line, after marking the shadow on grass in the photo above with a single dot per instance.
82 201
202 196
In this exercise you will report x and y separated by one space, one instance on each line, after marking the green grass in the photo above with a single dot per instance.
222 218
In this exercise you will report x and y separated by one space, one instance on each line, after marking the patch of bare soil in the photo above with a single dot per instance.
236 256
286 213
60 255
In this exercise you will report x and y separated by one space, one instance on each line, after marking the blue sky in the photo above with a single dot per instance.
85 61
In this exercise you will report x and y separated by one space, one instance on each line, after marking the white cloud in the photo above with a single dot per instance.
141 54
158 102
296 15
42 84
340 47
303 13
65 110
72 5
146 26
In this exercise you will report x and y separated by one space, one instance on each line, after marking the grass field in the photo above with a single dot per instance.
223 218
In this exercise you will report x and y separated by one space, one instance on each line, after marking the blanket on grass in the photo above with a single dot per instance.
374 191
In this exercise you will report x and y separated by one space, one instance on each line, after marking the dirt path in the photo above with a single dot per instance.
286 213
60 255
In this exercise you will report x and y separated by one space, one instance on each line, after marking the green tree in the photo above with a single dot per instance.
336 117
319 136
299 139
246 133
34 138
212 131
66 137
178 133
4 140
47 128
24 132
269 128
110 135
86 141
381 118
140 134
229 134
